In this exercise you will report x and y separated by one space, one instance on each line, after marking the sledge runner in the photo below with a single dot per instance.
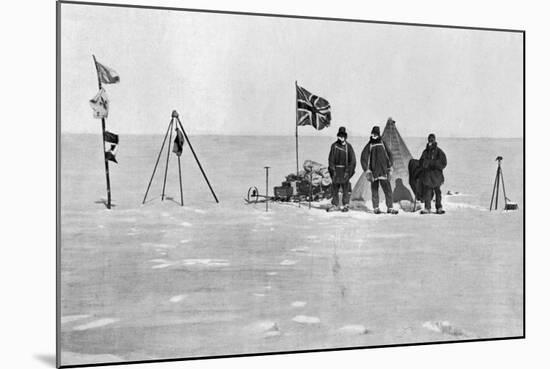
377 162
432 161
341 166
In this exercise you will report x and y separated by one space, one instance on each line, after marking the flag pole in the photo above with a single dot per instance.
296 124
103 139
266 189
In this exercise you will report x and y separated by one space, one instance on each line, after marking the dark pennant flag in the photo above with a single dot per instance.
111 154
112 139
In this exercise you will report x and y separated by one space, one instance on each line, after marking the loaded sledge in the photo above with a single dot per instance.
313 183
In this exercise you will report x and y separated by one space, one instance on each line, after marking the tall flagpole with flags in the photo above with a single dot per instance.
103 140
311 110
100 106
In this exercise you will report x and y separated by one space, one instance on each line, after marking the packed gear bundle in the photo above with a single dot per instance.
313 181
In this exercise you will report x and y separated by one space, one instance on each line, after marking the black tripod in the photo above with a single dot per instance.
499 178
175 121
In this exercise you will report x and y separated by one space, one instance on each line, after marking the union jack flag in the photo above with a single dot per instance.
311 110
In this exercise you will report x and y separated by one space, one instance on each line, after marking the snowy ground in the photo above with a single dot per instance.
163 281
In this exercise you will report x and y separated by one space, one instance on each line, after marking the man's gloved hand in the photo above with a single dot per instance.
369 176
348 175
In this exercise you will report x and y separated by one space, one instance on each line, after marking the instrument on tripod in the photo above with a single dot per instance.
508 205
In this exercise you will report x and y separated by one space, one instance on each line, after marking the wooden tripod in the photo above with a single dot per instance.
499 178
175 123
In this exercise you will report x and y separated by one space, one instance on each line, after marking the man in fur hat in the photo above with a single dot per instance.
432 161
376 160
341 165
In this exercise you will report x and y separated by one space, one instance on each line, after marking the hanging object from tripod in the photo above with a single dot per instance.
179 141
508 205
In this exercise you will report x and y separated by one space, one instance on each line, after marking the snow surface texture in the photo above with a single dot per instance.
199 280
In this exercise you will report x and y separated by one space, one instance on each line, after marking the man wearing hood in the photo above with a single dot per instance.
341 165
377 161
432 161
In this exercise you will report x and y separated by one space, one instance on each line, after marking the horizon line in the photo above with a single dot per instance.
292 135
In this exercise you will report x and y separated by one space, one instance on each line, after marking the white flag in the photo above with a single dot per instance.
100 104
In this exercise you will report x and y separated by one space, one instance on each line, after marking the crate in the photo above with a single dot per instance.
282 192
511 206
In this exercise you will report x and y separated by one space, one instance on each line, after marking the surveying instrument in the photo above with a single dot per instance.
508 205
175 124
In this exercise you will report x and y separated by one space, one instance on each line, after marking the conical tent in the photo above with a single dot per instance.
401 156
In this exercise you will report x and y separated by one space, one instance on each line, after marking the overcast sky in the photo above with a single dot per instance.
234 74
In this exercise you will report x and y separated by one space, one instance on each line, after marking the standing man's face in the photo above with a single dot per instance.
341 139
431 141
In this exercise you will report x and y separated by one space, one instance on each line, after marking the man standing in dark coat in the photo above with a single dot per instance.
341 165
377 161
432 161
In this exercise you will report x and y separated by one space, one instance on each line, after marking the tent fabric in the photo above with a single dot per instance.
401 156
